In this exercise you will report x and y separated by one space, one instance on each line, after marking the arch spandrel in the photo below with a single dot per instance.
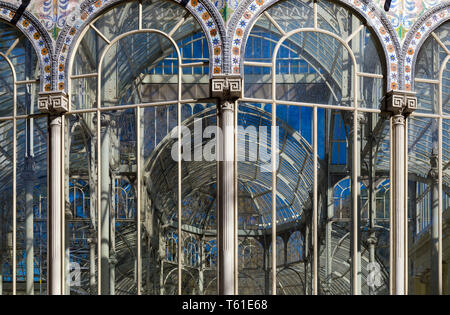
417 36
248 12
36 34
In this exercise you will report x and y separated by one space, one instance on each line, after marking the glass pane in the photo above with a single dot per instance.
374 203
258 82
20 52
27 96
335 204
291 14
81 204
84 93
6 89
119 182
370 92
305 76
446 89
163 15
432 55
427 97
369 60
6 198
445 205
140 68
88 53
423 203
254 200
31 205
294 185
159 202
199 193
119 20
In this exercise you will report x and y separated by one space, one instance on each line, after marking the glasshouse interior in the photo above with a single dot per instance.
199 147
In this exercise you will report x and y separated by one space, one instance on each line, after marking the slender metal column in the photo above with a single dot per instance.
201 278
55 249
399 104
113 258
267 268
227 89
329 203
69 215
160 260
1 271
328 233
67 267
399 203
29 224
372 240
54 103
434 241
307 255
92 259
226 205
355 121
28 175
105 205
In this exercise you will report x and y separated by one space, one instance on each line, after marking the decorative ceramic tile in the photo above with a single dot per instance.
404 13
226 8
51 13
390 43
64 19
38 37
91 9
415 40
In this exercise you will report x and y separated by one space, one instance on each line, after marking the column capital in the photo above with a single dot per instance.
55 102
55 120
113 258
92 237
399 119
399 103
28 169
106 120
226 87
372 240
433 174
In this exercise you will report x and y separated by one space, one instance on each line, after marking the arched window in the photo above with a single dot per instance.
295 247
23 166
428 166
139 70
252 271
191 252
318 71
171 247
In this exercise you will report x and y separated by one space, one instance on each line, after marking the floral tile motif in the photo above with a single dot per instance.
255 7
53 13
64 16
226 8
404 13
421 33
41 45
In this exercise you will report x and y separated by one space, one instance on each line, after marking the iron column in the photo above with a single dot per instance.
227 89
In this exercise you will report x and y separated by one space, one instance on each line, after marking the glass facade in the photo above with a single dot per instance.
312 169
